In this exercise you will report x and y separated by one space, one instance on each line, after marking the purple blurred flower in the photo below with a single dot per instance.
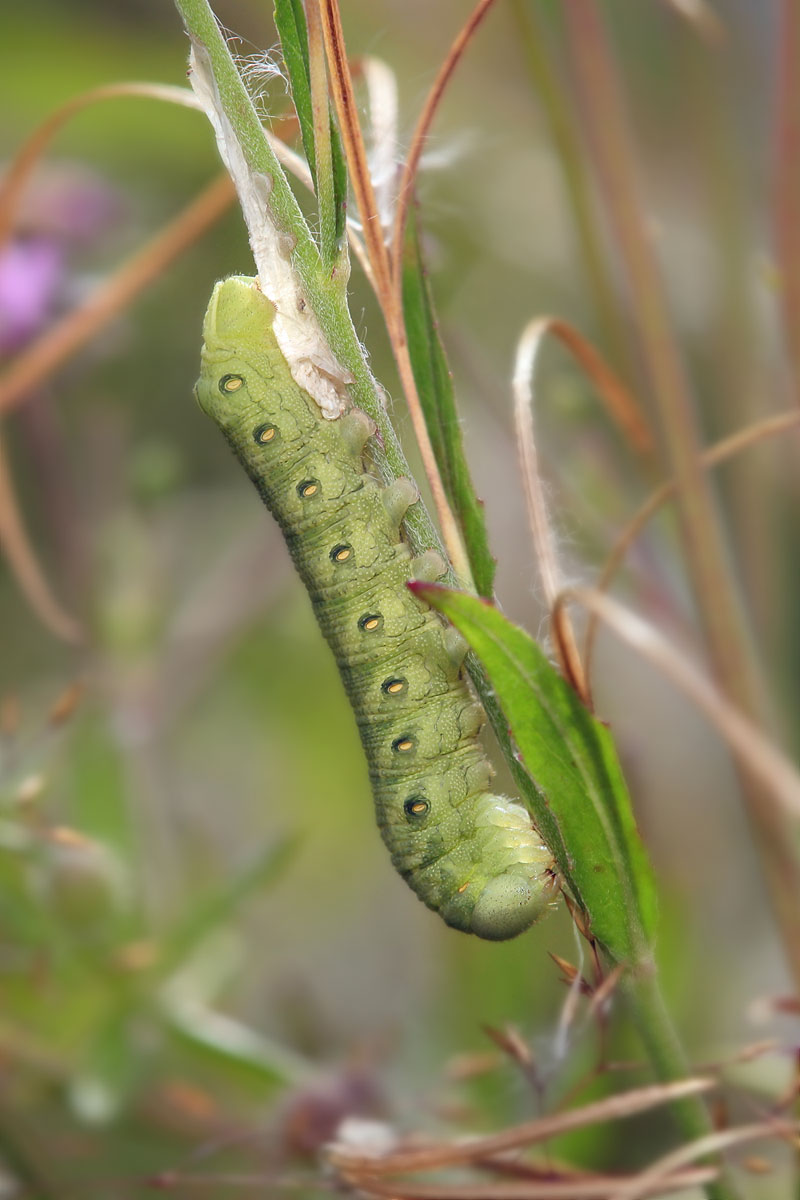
31 273
62 208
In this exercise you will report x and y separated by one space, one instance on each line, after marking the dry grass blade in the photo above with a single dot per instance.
420 135
656 1176
599 1187
25 566
786 185
777 776
712 457
542 533
605 112
622 407
66 704
542 1129
58 344
353 141
17 174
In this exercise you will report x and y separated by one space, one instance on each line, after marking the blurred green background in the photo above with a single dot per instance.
159 1007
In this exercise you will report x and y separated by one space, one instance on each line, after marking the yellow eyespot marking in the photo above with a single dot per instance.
370 622
341 553
416 806
403 744
264 433
230 383
393 687
309 487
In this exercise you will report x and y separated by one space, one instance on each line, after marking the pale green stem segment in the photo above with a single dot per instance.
323 293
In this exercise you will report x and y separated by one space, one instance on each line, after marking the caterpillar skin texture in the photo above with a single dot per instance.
472 856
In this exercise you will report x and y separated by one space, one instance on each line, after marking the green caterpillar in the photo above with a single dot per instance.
471 855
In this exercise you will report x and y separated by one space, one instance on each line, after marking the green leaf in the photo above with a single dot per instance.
435 386
290 22
217 908
571 758
236 1045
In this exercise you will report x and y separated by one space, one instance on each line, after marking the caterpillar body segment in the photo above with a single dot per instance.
473 856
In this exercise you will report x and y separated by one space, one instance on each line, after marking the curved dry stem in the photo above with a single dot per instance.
621 405
712 1143
14 179
420 135
778 777
16 176
42 357
572 1187
541 528
529 1133
712 457
391 304
25 565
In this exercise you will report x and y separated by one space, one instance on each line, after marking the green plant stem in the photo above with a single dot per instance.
642 991
324 294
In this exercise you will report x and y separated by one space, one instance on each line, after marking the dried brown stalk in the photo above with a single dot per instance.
58 344
712 457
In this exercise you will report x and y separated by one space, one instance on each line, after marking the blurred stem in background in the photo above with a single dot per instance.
569 152
721 614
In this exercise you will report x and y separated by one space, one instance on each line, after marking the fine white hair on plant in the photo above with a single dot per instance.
304 346
258 71
383 152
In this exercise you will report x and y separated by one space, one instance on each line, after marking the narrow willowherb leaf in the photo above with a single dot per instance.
219 906
435 386
290 22
571 757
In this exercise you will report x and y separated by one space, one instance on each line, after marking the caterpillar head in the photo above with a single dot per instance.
237 336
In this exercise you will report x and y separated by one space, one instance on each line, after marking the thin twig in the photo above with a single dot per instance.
42 357
786 181
420 135
25 566
711 457
659 1172
391 305
18 172
595 1187
719 603
353 140
542 532
542 1129
778 778
569 153
323 160
625 413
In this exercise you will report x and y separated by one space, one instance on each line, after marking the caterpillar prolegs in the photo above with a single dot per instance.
471 855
